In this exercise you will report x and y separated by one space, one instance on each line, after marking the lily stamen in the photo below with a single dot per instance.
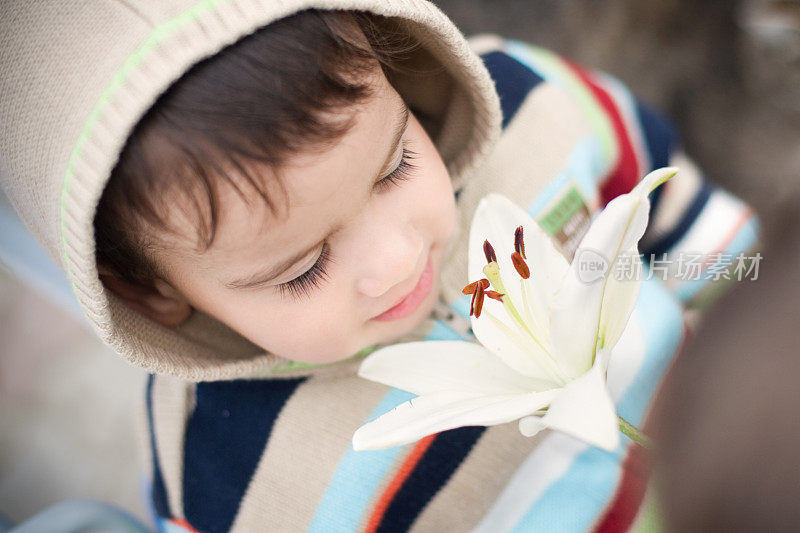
472 287
488 251
472 304
479 301
519 243
520 265
494 295
492 271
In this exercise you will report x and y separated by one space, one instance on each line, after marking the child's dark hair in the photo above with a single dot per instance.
257 100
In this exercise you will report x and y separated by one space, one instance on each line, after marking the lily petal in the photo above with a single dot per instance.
575 320
548 265
531 425
495 220
432 366
515 348
653 180
618 303
601 361
583 409
445 410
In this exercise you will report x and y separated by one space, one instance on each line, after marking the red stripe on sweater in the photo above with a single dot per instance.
732 233
626 173
399 478
622 511
184 524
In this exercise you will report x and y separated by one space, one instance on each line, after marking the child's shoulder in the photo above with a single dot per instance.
553 109
519 69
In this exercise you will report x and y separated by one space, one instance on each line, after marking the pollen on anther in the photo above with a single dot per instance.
488 251
519 243
494 295
470 289
520 265
479 301
472 304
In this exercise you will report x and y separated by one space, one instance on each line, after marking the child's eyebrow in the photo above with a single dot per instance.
259 278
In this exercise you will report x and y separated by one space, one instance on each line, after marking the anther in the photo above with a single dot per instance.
479 301
470 289
494 295
488 251
519 244
472 304
520 265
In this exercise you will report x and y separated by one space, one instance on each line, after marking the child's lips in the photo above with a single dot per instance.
413 299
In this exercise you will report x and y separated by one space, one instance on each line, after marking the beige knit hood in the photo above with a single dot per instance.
75 77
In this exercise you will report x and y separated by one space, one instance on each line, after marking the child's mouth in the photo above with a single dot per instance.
412 301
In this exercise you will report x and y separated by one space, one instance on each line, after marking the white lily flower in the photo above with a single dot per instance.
547 329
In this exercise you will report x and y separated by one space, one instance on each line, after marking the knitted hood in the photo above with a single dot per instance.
76 77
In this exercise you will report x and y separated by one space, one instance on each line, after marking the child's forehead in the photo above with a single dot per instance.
312 191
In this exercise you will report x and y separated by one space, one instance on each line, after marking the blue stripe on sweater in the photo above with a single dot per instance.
690 214
655 200
434 469
158 491
513 81
357 478
660 139
226 435
659 136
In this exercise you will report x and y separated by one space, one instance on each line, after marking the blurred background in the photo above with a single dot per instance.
727 72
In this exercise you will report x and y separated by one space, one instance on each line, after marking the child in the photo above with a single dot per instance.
246 196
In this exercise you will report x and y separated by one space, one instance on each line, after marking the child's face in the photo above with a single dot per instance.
267 278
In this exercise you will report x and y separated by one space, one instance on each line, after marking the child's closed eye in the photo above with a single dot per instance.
312 278
402 171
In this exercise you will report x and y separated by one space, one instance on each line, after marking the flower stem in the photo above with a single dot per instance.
633 433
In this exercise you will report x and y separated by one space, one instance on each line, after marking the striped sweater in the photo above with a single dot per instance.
273 453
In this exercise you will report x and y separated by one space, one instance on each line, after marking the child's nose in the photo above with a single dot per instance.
393 261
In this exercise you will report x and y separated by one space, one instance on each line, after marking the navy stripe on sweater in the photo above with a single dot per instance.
690 214
513 82
659 136
440 461
660 139
226 435
158 491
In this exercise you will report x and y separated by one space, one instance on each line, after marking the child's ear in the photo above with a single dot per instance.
159 301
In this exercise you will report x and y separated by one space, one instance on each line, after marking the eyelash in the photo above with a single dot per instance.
311 278
317 274
401 173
